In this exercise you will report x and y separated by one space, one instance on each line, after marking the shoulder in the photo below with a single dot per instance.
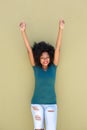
53 68
53 65
36 67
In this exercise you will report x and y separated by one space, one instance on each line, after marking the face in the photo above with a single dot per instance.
45 59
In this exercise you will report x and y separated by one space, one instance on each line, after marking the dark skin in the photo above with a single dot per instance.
44 59
57 47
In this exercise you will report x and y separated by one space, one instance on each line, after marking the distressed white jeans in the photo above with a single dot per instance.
44 112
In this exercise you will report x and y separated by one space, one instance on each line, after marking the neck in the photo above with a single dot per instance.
45 67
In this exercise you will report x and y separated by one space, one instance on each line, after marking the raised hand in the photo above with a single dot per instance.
22 26
61 24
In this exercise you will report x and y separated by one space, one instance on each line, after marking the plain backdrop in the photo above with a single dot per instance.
16 73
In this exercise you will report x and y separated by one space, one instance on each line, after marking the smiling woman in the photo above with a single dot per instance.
44 60
43 52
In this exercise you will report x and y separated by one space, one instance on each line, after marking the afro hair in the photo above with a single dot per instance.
39 48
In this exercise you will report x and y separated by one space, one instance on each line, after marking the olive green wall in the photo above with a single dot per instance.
16 73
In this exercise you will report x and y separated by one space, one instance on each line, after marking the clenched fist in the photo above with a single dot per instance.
61 24
22 26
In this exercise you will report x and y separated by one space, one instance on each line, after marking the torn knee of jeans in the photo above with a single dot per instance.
50 110
35 108
37 117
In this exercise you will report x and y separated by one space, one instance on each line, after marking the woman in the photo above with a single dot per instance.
44 60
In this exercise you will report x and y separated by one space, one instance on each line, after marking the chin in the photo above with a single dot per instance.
46 64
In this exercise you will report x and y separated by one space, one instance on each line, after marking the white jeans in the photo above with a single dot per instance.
47 112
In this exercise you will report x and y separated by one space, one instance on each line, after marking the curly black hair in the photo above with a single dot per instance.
39 48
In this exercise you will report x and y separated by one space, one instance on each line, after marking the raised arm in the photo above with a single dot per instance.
26 41
58 42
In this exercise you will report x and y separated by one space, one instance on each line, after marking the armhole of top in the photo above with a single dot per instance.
34 67
55 65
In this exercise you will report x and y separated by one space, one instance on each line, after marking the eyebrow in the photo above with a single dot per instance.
46 56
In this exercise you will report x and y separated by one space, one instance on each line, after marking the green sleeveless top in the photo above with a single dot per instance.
44 92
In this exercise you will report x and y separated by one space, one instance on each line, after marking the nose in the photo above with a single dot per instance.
45 58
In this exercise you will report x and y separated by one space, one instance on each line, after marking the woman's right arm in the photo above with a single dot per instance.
27 44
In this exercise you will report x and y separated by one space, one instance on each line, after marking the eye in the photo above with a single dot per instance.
47 57
42 58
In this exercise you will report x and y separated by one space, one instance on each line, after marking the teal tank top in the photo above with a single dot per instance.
44 91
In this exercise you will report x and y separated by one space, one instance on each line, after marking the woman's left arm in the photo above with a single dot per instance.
58 42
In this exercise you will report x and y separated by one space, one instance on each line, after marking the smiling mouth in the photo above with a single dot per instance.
45 63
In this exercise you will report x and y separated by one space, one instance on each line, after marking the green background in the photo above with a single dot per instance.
16 73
